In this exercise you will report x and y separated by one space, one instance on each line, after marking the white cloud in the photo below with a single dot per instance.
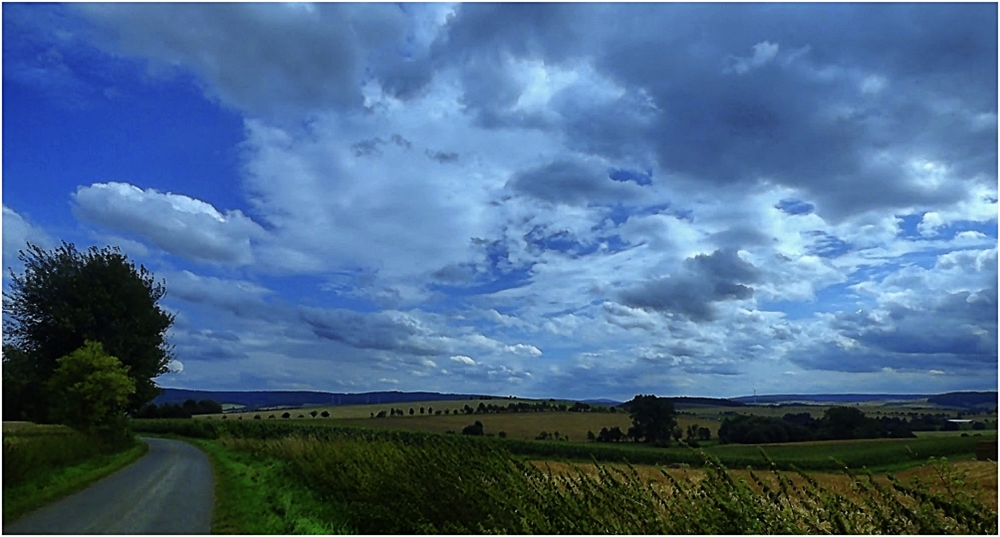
463 360
763 53
17 233
176 223
524 350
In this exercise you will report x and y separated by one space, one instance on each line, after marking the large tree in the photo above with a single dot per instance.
66 297
653 419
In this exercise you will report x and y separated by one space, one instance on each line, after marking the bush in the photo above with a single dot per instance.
476 429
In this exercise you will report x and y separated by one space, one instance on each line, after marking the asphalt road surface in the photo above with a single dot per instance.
167 491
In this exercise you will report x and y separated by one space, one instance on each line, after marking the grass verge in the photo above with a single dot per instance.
253 496
49 486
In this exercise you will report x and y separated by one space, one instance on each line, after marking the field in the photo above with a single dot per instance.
377 481
979 478
520 425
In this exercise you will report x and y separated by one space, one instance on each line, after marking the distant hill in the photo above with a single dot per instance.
606 402
258 399
828 398
697 401
704 401
968 400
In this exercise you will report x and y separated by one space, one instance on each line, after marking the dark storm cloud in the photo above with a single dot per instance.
571 183
833 99
703 280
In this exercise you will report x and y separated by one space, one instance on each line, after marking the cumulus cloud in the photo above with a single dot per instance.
388 331
241 298
705 279
524 350
266 58
463 360
571 182
176 223
17 233
600 191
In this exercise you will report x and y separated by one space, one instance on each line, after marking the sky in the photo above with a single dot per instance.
544 200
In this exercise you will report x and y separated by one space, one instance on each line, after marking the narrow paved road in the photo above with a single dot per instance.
168 491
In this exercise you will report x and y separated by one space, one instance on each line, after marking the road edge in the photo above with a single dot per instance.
57 491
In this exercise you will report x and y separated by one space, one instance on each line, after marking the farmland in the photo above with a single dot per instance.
384 481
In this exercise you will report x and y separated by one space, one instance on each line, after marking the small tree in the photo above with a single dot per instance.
325 414
286 415
313 413
653 419
476 429
89 392
411 410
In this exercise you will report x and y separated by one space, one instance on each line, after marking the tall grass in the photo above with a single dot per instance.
390 483
29 454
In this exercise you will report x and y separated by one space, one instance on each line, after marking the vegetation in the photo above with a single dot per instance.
63 299
253 496
653 419
837 423
386 482
44 463
186 410
89 392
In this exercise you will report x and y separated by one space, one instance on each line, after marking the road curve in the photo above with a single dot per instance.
167 491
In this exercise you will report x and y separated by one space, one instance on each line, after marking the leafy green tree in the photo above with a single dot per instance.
89 392
21 396
653 419
66 297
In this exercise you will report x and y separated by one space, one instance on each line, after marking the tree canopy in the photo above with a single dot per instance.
653 419
89 392
66 297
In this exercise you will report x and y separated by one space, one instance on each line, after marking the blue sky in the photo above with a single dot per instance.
548 200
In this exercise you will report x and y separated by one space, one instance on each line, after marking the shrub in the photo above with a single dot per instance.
476 429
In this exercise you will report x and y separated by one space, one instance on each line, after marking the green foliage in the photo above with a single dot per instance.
27 456
653 419
388 482
89 392
66 297
253 496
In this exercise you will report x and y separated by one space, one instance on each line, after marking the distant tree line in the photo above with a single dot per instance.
837 423
484 408
186 410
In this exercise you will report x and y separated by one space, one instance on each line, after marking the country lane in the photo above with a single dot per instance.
167 491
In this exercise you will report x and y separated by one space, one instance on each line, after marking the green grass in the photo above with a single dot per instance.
254 496
47 485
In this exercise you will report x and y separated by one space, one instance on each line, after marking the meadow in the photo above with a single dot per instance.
383 481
